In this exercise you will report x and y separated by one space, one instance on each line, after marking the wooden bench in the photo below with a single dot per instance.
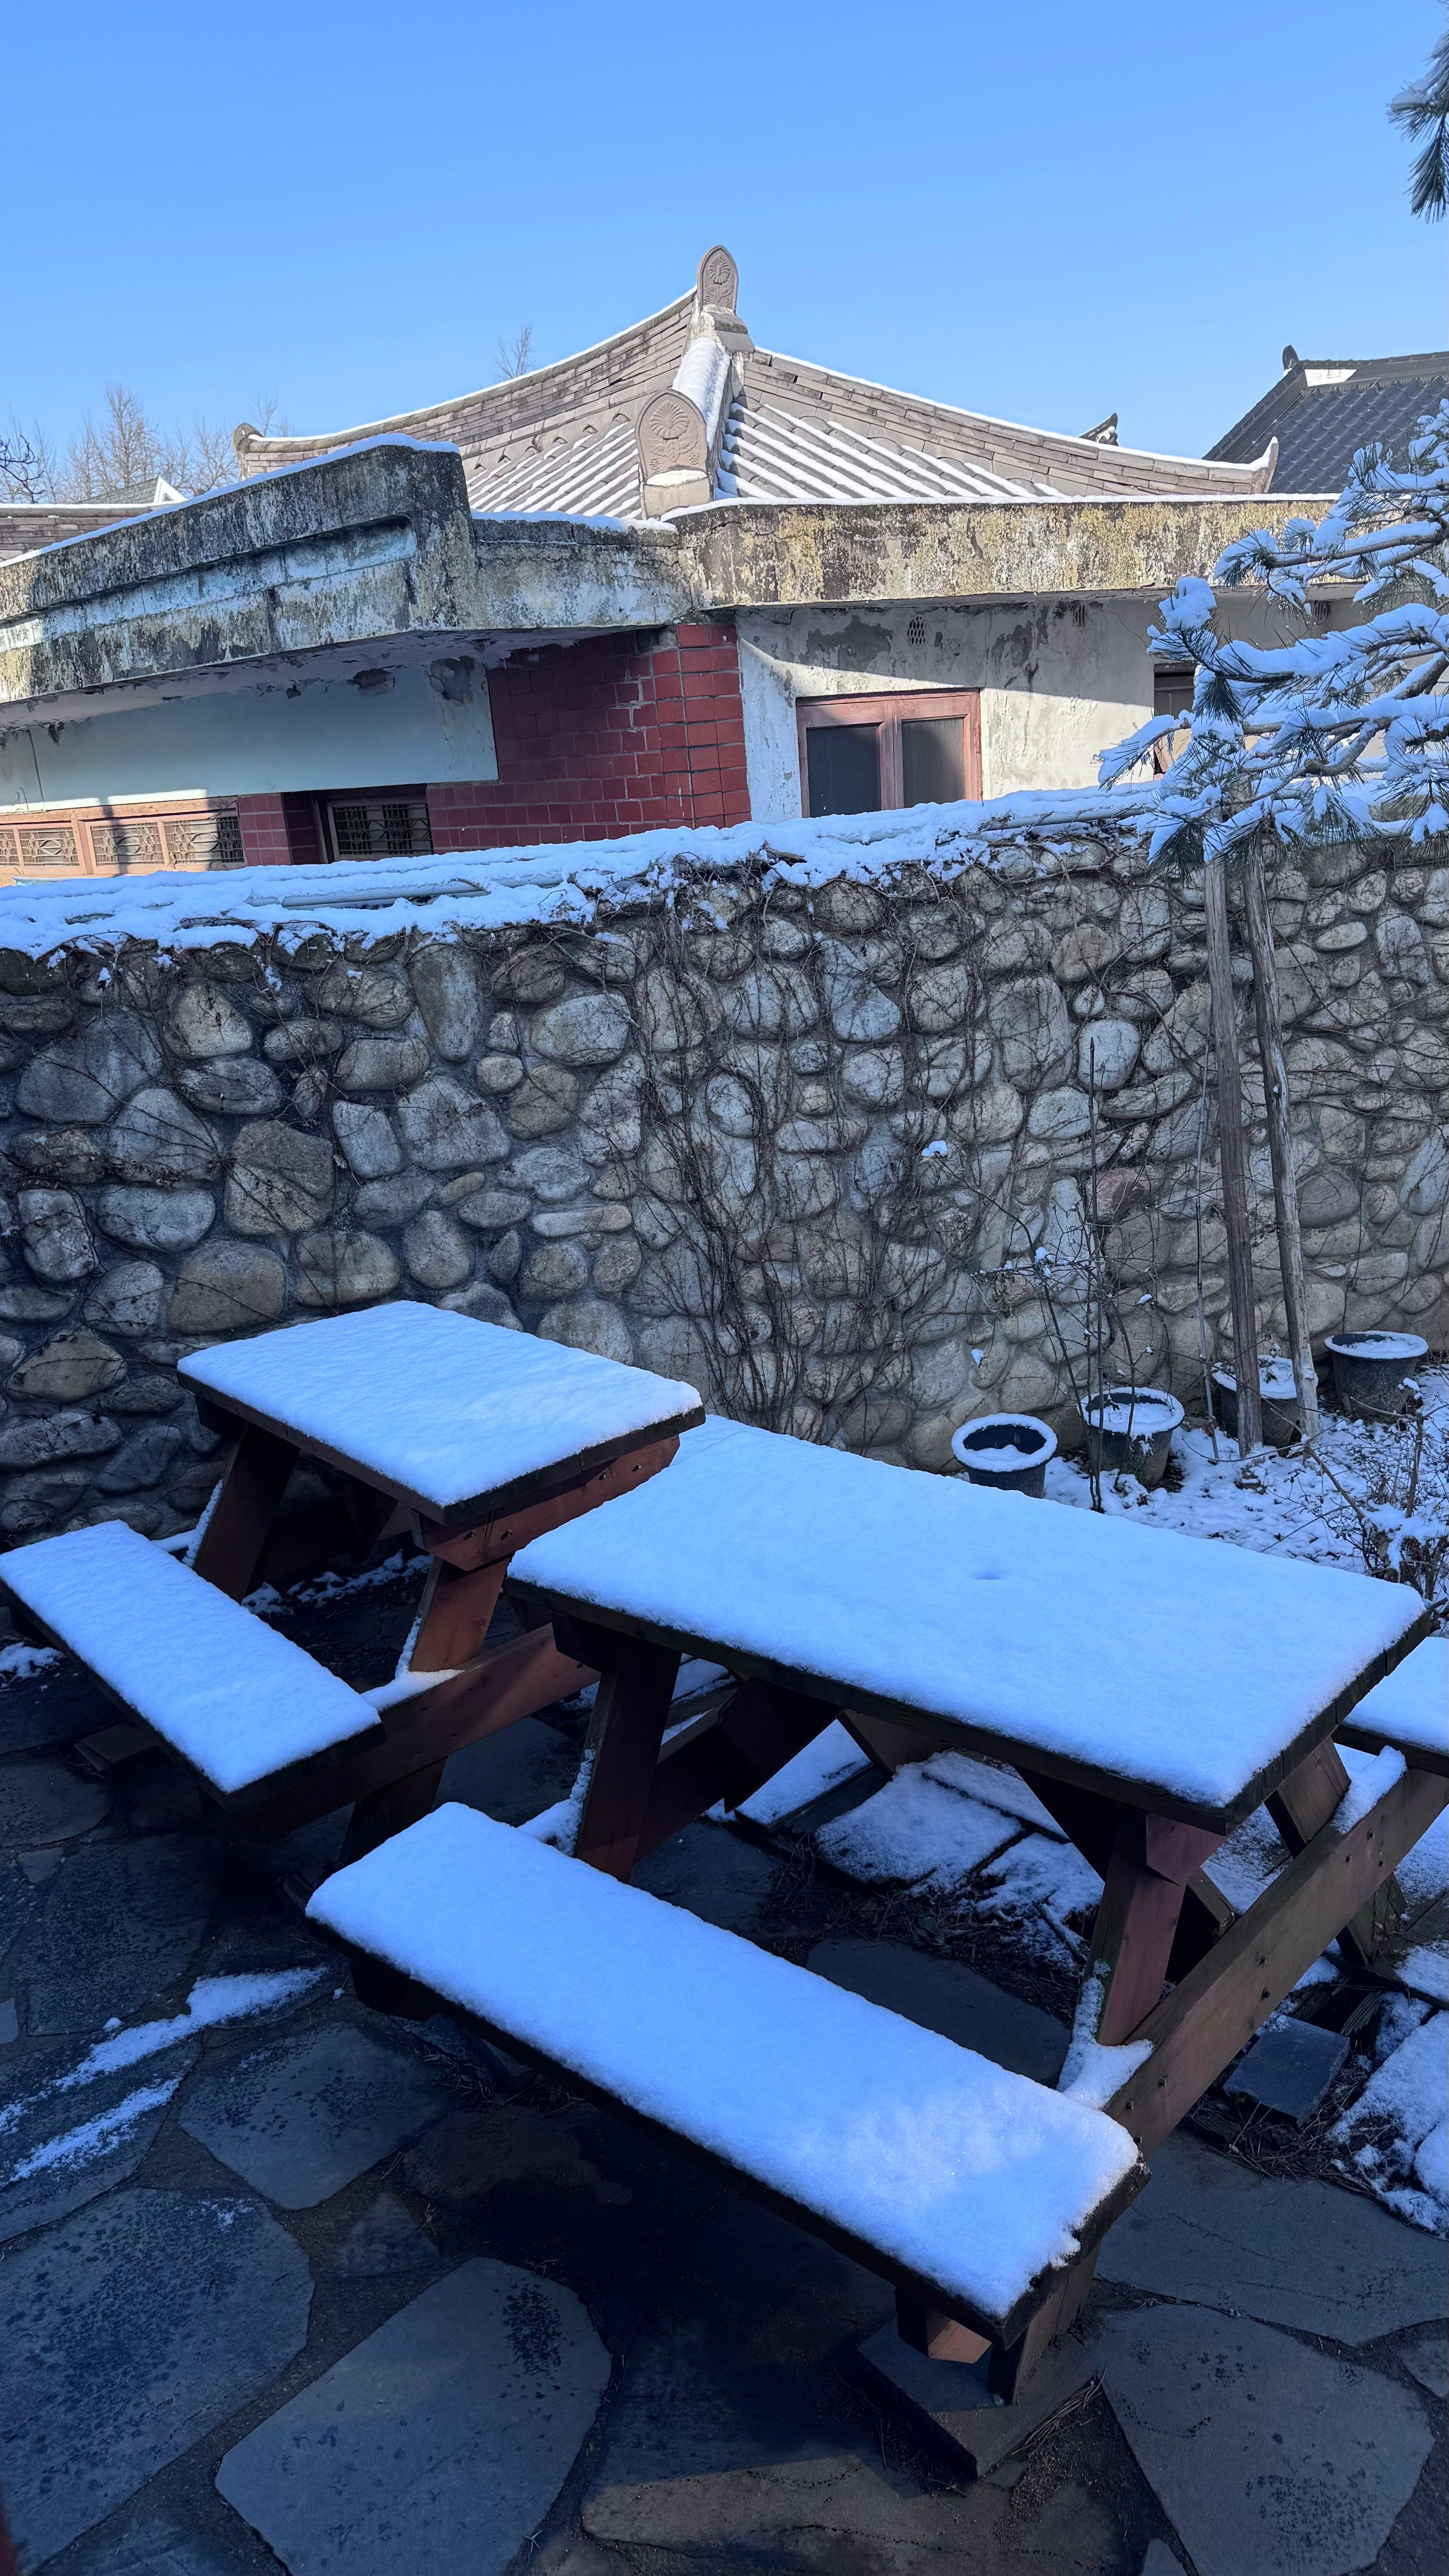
977 2192
476 1438
1408 1713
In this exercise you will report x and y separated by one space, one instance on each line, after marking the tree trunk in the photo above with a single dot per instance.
1280 1144
1230 1152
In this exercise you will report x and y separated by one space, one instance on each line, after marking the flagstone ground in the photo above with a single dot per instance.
240 2248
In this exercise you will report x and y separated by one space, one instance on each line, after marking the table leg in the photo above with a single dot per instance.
732 1755
630 1715
1300 1807
457 1608
381 1813
252 1487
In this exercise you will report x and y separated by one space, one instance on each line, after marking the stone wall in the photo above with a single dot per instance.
827 1148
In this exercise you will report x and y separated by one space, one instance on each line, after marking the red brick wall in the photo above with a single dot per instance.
263 831
603 738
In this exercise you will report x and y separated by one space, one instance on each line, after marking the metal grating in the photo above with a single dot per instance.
383 827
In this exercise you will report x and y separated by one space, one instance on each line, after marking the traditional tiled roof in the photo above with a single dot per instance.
684 409
1322 410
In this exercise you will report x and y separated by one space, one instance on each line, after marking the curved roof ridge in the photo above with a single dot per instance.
1090 449
249 442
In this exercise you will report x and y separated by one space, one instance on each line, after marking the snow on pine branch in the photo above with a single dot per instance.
1333 736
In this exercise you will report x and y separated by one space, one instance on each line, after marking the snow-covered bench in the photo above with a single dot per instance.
1408 1713
977 2192
478 1438
232 1698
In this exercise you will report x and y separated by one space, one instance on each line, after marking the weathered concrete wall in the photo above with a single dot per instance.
416 723
805 1145
1060 679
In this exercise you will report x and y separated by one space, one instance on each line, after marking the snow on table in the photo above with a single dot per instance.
1177 1671
235 1699
1409 1712
975 2179
437 1407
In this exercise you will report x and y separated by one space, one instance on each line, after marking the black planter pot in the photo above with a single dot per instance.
1009 1452
1130 1428
1277 1396
1369 1370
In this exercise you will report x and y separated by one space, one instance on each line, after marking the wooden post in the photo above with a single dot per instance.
1269 1012
1230 1153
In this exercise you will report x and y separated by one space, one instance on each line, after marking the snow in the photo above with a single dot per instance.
211 2002
93 2137
234 1698
833 1756
1378 1346
22 1663
1275 1378
1425 1971
915 1832
437 1407
975 2179
1410 1709
1144 1410
998 1615
1393 2135
1092 2072
545 884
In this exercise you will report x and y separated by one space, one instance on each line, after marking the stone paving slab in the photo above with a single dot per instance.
302 2118
158 2543
1264 2454
1429 2362
17 1901
118 1923
1160 2560
62 2148
42 1802
473 2152
383 2240
956 2409
1301 2254
712 1873
941 1994
1289 2068
127 2333
439 2443
51 1707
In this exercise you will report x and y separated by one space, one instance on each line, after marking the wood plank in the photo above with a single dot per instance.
1200 2027
226 1413
505 1683
1300 1807
506 1532
230 1548
938 2336
1132 1936
381 1813
1012 2369
935 1731
630 1715
455 1613
728 1756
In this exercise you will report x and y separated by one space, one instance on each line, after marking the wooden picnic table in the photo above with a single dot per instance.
475 1438
1152 1689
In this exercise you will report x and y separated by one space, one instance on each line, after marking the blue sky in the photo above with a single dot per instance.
1046 213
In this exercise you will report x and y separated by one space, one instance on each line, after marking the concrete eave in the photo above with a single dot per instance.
805 554
374 555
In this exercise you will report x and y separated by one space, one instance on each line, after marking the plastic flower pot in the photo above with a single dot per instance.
1130 1428
1007 1451
1277 1395
1369 1370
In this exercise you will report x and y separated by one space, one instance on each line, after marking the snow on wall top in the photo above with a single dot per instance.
575 882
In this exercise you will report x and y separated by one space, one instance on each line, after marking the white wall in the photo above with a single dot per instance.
1060 680
241 742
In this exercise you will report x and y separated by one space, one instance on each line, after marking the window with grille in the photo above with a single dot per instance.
378 827
1172 687
869 755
